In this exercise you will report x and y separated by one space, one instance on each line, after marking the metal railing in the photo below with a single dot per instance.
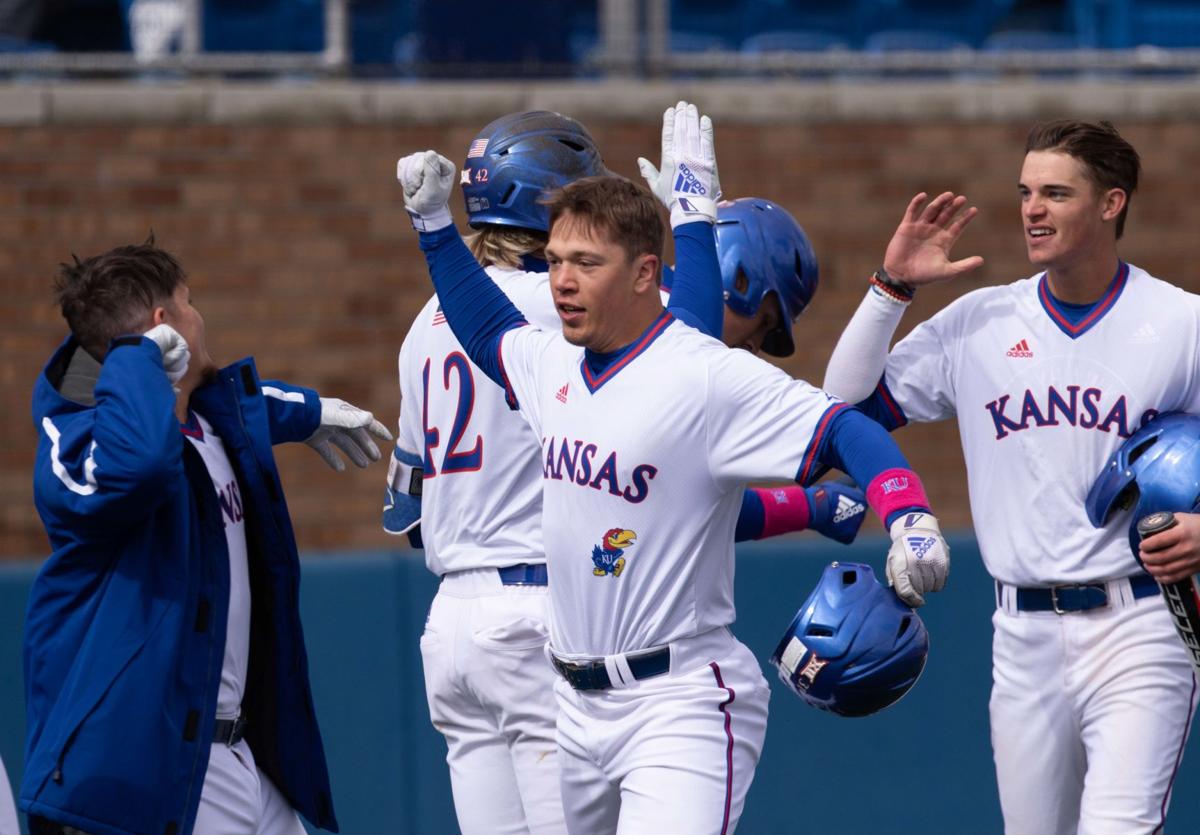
634 42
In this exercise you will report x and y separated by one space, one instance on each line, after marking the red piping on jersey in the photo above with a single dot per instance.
728 745
886 396
810 456
1102 306
192 428
635 350
510 396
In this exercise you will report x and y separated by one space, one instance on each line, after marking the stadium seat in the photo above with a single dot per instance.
968 21
375 28
849 20
916 40
10 44
1017 40
696 42
792 40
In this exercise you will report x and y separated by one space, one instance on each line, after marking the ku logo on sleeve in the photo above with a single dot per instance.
608 557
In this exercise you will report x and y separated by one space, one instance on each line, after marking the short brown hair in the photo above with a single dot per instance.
112 294
628 213
1110 161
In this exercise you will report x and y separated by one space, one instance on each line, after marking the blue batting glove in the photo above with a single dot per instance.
836 510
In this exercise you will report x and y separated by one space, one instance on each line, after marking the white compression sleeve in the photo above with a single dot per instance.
861 353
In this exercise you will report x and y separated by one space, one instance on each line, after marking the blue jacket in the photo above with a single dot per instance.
125 631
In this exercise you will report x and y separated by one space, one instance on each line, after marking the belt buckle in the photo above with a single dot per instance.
1054 601
235 729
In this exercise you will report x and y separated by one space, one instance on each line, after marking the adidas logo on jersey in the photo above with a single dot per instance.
920 545
1144 335
847 508
688 183
561 397
1021 350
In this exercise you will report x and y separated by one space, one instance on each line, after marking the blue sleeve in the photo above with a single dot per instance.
478 311
293 413
750 519
882 408
861 448
696 289
102 469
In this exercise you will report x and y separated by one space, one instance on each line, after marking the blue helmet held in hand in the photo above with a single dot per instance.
764 250
1157 468
518 158
853 648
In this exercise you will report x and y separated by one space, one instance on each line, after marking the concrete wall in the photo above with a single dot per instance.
921 766
281 202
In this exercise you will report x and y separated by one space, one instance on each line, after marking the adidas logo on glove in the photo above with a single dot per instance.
920 545
688 183
847 508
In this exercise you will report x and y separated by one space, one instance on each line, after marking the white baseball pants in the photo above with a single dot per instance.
672 753
491 694
1090 715
238 799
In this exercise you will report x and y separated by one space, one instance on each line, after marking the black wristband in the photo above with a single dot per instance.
894 288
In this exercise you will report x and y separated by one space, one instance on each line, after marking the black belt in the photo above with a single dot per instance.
229 731
1075 598
523 574
592 675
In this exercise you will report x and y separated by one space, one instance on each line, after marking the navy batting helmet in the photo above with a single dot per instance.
516 159
1157 468
853 648
763 250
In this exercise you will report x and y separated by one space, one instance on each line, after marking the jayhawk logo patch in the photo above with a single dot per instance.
609 555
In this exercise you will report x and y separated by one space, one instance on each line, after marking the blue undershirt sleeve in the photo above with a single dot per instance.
751 518
478 311
696 289
861 448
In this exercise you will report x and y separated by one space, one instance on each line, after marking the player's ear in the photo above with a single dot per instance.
647 274
1113 203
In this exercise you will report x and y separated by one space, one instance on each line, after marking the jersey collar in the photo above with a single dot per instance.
1071 321
192 428
597 369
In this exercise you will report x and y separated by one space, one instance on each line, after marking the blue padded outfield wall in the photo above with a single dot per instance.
922 766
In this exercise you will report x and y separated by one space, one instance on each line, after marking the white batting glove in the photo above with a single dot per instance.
427 179
174 347
687 182
348 428
919 559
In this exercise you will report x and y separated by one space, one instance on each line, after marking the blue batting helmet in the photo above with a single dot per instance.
1157 468
518 158
853 648
763 250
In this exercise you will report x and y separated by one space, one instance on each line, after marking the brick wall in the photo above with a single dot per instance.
299 251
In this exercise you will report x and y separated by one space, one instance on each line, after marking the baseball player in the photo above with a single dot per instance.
1093 694
166 680
480 515
650 430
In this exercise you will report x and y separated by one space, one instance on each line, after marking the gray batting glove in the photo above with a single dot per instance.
348 428
427 179
919 559
174 347
687 181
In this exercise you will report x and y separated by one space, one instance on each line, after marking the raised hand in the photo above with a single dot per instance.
919 251
687 181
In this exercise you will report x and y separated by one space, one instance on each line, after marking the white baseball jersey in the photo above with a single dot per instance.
481 494
643 469
237 626
1042 404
